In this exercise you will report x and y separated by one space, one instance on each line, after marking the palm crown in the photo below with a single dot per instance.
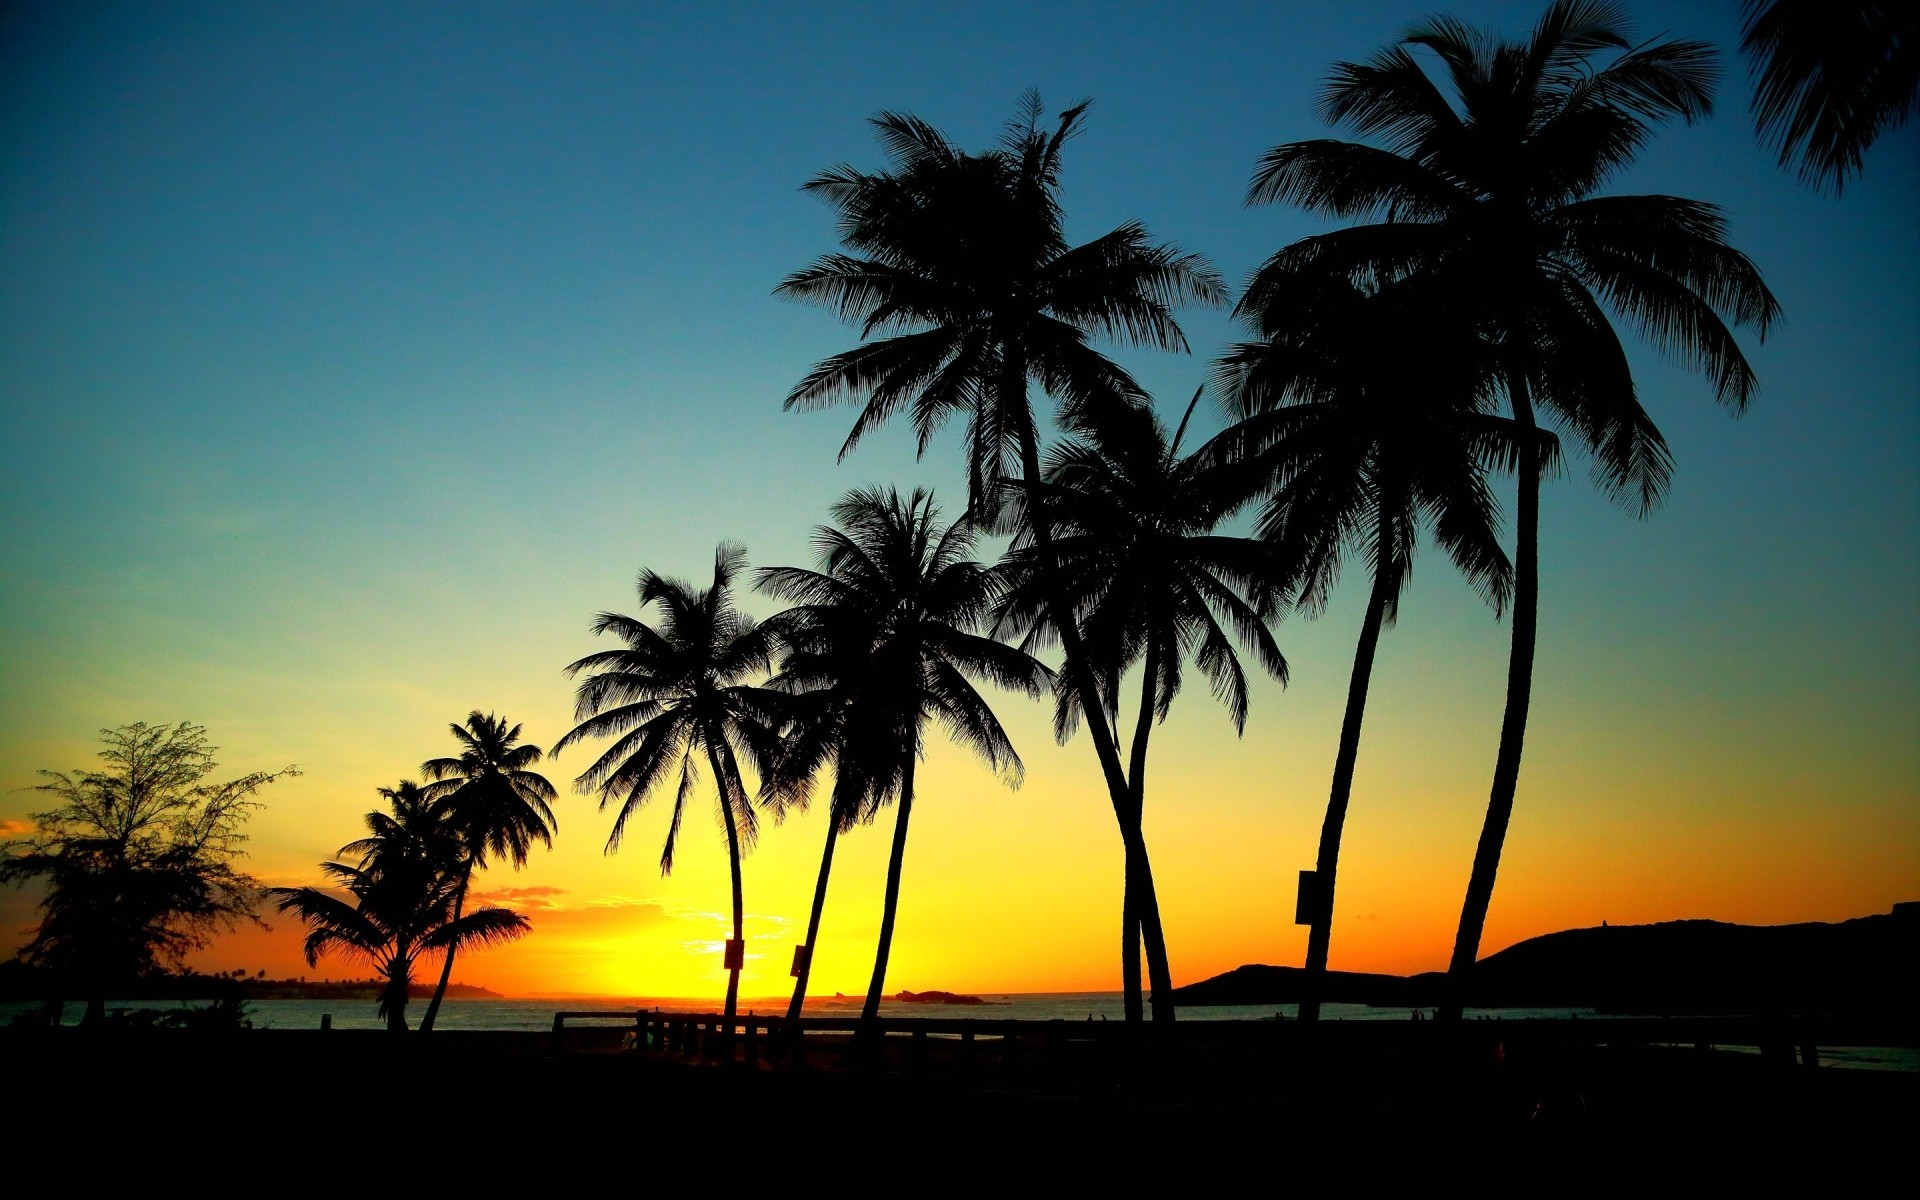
962 260
1149 580
1491 191
499 804
676 690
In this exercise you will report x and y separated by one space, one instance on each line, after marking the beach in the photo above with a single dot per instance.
1205 1098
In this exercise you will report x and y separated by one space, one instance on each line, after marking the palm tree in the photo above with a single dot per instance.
1829 79
1489 192
1148 584
960 261
495 806
677 691
885 631
402 893
1357 450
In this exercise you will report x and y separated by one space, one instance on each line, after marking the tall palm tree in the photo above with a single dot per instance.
965 287
1356 451
402 893
1829 79
495 806
1148 584
1489 190
888 632
678 691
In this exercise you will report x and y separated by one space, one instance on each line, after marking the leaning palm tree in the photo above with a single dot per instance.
888 633
1356 451
1489 191
402 899
826 645
1829 79
1148 584
495 806
676 692
961 279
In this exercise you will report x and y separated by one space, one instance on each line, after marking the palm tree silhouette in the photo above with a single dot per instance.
1356 451
885 633
495 807
677 690
1829 79
402 893
1490 192
1148 584
961 261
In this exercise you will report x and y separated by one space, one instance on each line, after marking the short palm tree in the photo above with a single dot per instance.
1355 452
1829 79
1489 193
495 805
678 691
961 279
886 633
402 892
1148 584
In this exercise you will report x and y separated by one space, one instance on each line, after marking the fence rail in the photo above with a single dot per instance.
777 1039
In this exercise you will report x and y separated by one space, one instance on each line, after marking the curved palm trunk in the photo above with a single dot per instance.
446 966
813 918
1513 724
724 780
1143 904
1327 863
1105 746
870 1011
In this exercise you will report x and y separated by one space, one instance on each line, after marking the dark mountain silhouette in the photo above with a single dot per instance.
1862 966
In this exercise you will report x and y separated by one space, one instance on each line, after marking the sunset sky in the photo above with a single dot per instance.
353 356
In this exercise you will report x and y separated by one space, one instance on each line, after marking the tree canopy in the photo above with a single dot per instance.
138 857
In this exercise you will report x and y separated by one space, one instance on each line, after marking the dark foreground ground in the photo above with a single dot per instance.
488 1112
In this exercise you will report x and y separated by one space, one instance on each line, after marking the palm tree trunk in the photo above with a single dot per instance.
870 1011
813 918
1327 863
394 996
446 966
1513 724
1105 745
726 784
1140 889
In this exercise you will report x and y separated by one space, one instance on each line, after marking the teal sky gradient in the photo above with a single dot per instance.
353 355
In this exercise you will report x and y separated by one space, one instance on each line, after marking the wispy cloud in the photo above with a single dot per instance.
13 828
537 899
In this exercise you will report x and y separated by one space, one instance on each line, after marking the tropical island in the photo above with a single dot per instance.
938 998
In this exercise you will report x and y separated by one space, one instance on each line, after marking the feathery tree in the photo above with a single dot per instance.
137 859
1490 190
495 806
966 290
678 691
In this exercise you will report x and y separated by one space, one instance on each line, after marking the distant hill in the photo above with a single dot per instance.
1862 966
